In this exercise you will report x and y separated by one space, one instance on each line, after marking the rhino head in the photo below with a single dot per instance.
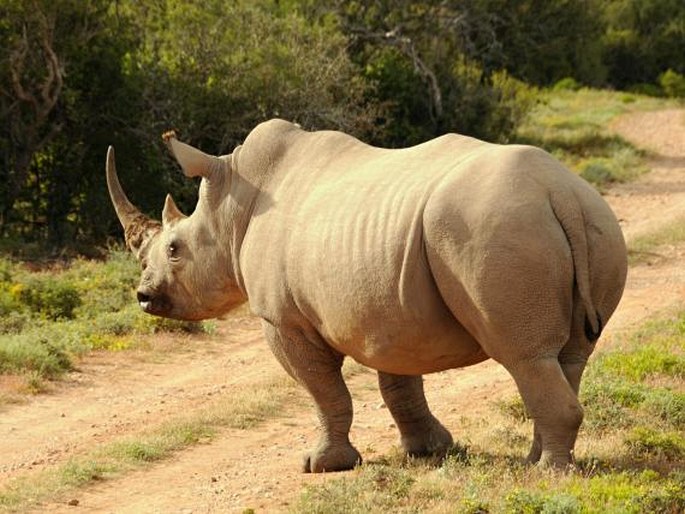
185 270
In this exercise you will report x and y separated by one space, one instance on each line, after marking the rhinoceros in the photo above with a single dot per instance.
410 261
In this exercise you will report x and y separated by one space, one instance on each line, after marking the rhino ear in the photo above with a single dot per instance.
195 163
171 213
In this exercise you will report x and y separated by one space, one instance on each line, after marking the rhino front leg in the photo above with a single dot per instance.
421 433
317 367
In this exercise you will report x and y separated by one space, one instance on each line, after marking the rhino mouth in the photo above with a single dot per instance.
156 305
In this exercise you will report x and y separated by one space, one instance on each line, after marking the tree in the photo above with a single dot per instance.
643 39
430 71
60 73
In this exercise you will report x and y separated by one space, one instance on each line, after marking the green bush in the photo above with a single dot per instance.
49 296
673 84
647 90
9 303
33 352
597 172
14 321
566 84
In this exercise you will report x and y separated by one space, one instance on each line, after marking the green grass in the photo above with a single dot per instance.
629 454
243 409
49 317
573 126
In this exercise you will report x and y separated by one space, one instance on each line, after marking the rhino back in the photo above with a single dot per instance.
341 249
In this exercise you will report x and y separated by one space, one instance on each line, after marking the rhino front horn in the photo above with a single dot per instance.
137 226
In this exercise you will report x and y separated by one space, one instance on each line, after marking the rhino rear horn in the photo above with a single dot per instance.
195 163
137 226
171 213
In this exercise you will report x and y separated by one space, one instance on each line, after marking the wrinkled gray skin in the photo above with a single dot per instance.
410 261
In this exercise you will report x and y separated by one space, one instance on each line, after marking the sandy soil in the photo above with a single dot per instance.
115 395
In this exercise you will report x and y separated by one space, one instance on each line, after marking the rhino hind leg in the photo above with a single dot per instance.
573 371
553 404
421 433
318 368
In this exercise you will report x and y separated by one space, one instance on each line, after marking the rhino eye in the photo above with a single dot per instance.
172 250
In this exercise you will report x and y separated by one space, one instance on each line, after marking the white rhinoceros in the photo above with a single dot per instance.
410 261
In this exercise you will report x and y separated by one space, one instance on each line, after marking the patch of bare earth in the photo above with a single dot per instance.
114 395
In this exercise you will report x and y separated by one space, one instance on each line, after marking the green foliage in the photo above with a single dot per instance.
642 362
521 501
572 126
54 316
646 441
616 393
48 296
34 353
78 76
642 38
566 84
672 83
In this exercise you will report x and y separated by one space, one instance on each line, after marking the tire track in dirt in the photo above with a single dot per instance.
259 468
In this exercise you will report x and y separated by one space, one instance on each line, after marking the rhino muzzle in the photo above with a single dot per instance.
153 303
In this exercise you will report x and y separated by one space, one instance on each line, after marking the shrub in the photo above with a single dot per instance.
673 84
33 352
597 172
14 321
49 296
566 84
647 90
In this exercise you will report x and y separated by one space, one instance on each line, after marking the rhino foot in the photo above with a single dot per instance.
434 442
331 458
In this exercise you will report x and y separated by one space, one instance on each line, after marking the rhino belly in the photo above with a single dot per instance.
414 351
403 336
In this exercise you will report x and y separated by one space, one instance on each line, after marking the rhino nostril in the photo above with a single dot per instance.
143 297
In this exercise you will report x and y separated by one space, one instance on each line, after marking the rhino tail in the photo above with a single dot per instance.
569 214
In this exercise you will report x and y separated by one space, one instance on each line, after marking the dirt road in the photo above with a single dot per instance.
117 395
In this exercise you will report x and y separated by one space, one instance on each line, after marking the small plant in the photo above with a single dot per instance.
514 408
597 172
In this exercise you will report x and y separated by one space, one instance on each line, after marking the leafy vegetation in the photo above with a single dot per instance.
78 76
51 316
573 126
629 454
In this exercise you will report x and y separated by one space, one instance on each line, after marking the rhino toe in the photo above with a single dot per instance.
433 442
327 459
